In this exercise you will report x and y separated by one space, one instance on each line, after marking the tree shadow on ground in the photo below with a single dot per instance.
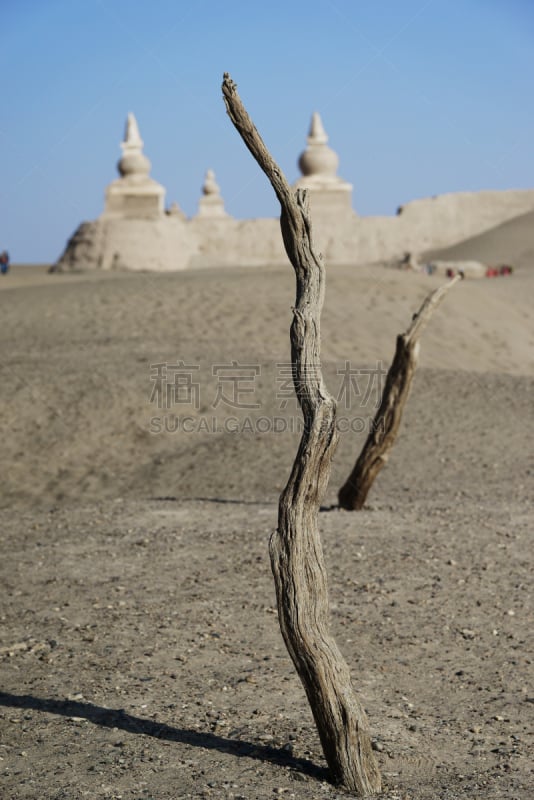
221 500
118 718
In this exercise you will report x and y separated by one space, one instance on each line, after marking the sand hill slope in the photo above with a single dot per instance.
509 243
79 364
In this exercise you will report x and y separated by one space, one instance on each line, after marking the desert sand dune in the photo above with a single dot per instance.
139 647
509 243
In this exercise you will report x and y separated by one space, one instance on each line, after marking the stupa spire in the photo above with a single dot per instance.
133 163
132 137
318 160
210 185
317 134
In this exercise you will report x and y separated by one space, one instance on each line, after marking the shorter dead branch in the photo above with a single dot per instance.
385 427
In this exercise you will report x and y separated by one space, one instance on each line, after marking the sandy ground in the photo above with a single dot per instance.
140 651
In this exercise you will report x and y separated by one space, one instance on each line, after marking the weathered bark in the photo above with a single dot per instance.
295 548
385 426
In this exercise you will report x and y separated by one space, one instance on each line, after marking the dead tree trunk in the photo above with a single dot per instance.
295 548
385 426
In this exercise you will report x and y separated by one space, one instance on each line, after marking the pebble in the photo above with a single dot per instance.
378 746
467 633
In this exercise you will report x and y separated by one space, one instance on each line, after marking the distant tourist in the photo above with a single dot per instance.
4 262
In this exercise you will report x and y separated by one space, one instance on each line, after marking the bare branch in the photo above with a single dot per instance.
248 132
295 547
385 426
430 303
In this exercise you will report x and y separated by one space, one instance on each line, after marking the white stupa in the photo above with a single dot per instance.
133 232
211 204
135 194
330 195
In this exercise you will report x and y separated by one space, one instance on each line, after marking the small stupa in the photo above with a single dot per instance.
135 194
174 210
211 204
330 195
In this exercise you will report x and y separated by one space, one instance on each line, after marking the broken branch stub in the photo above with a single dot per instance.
295 547
385 426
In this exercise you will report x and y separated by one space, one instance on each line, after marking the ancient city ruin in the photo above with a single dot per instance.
137 232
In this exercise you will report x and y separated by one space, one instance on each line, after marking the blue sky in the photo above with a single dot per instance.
419 98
